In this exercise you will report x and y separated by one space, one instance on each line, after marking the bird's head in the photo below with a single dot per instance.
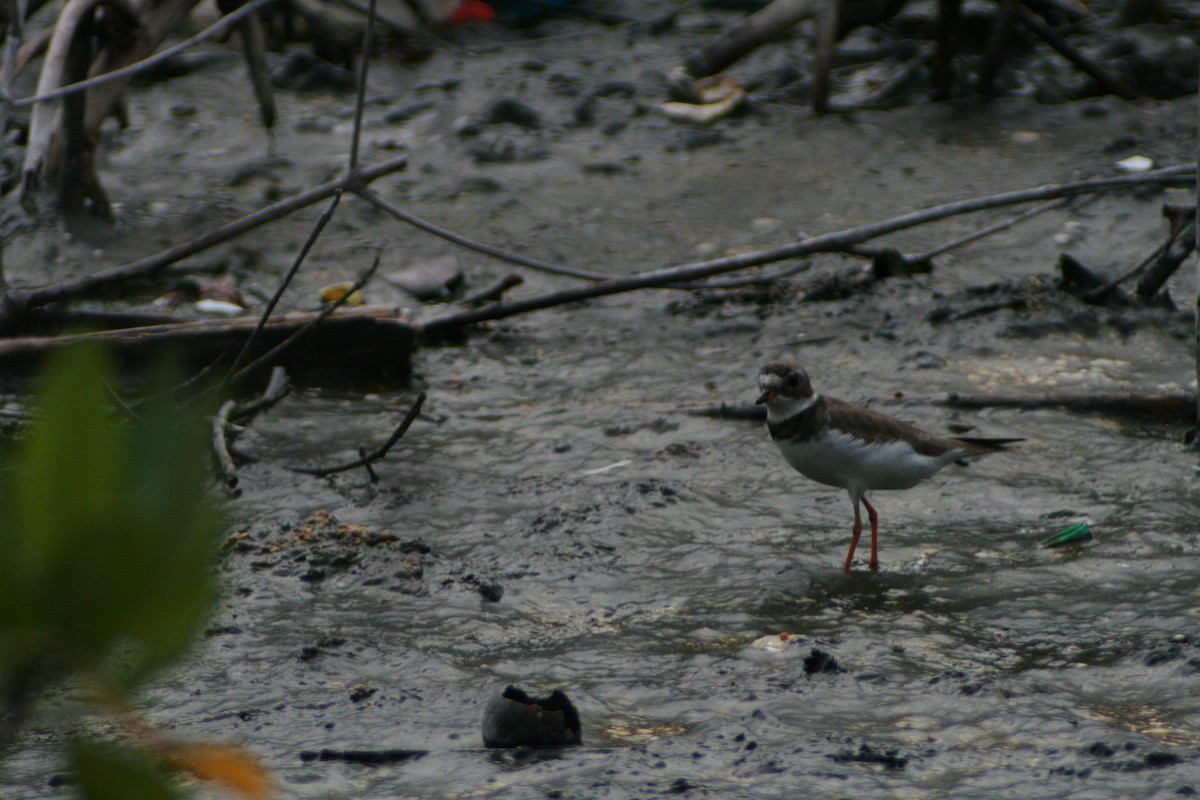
784 384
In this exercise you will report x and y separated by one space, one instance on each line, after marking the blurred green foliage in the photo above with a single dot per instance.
107 536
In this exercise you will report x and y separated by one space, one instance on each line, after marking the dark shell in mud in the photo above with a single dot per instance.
514 719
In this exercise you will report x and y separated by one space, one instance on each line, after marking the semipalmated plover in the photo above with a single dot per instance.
839 444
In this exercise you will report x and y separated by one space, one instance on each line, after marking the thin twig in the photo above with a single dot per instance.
377 454
1103 289
363 65
1153 404
395 27
14 304
749 280
515 258
493 291
471 244
830 242
325 312
217 28
287 279
278 388
989 230
254 46
1111 83
220 444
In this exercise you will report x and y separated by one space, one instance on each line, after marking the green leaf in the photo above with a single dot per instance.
112 530
107 771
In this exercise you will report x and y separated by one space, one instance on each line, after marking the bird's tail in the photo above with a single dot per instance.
984 444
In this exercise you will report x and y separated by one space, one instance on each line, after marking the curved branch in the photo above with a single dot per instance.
378 453
837 241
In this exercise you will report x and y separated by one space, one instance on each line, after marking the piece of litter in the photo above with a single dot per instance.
605 468
218 308
776 643
1135 164
1076 534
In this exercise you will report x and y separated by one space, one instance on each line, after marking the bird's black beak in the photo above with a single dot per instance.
765 397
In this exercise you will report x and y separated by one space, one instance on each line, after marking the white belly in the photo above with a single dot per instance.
839 460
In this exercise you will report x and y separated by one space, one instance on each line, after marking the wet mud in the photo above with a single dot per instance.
559 519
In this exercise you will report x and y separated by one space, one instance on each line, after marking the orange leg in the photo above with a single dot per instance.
874 517
854 538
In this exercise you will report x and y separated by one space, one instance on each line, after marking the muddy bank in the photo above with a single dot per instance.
566 524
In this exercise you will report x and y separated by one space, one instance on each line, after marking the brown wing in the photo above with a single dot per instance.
872 426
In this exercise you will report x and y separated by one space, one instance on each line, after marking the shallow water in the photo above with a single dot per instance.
638 551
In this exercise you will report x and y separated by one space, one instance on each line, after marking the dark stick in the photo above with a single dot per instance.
826 19
325 312
494 291
487 249
749 280
1098 293
388 22
829 242
471 244
989 230
760 27
993 53
1179 247
1152 404
73 184
378 453
220 444
254 45
364 63
14 304
1111 83
215 29
287 279
278 387
949 13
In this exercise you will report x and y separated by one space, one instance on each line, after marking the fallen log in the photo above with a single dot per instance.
371 342
1159 405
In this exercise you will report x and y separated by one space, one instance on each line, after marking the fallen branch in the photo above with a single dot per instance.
1159 405
226 425
216 29
493 291
377 454
1100 293
15 304
837 241
1180 245
1111 83
364 63
1003 225
373 340
254 47
471 244
221 429
278 387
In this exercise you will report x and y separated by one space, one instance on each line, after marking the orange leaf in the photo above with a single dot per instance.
224 764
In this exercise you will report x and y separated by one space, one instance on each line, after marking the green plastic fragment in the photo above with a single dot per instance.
1079 533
